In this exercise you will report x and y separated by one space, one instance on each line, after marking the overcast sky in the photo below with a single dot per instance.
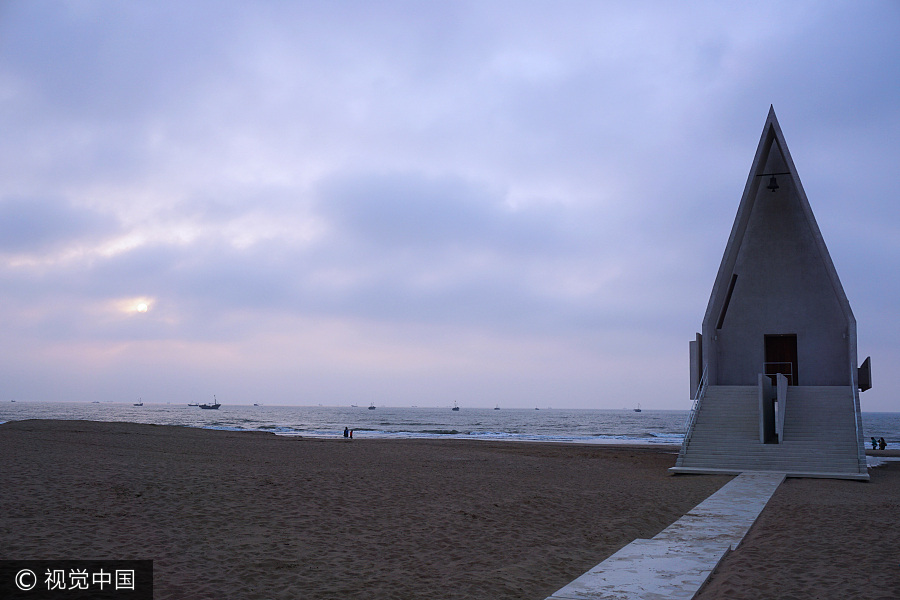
521 203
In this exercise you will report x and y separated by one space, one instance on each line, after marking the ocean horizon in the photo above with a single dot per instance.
604 426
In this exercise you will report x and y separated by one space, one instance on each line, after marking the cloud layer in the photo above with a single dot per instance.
416 203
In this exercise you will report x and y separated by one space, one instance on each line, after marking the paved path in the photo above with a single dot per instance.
676 562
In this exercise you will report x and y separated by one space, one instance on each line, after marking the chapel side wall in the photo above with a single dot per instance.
696 363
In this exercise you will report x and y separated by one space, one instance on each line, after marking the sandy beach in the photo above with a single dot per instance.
820 539
253 515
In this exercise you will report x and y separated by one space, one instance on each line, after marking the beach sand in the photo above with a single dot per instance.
820 539
253 515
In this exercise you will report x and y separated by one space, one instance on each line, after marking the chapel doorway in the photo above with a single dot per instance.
781 357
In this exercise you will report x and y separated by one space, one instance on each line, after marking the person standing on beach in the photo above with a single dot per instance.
351 434
346 432
874 443
882 444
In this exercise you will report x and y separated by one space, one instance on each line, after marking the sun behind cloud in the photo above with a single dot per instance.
133 305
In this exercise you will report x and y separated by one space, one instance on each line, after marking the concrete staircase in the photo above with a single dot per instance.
819 438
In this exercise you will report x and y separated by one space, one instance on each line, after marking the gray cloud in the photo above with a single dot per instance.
293 180
37 224
432 214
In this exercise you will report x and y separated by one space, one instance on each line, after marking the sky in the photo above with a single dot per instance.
414 203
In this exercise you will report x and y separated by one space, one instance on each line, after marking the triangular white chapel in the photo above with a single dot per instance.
774 372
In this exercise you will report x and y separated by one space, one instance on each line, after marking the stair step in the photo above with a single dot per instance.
819 432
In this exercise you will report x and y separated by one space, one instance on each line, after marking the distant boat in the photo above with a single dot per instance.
257 404
193 404
141 403
372 406
638 409
455 407
497 407
536 408
12 400
214 406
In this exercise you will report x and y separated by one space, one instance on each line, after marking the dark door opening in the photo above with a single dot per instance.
781 357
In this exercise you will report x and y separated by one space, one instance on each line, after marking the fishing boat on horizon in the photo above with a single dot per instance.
214 406
139 402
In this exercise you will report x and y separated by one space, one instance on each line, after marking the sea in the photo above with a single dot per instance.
624 426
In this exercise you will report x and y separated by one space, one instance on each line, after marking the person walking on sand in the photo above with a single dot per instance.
351 434
346 432
874 443
882 444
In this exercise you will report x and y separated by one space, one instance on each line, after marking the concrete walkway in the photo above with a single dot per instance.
677 561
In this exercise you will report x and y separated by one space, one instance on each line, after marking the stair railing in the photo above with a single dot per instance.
695 408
